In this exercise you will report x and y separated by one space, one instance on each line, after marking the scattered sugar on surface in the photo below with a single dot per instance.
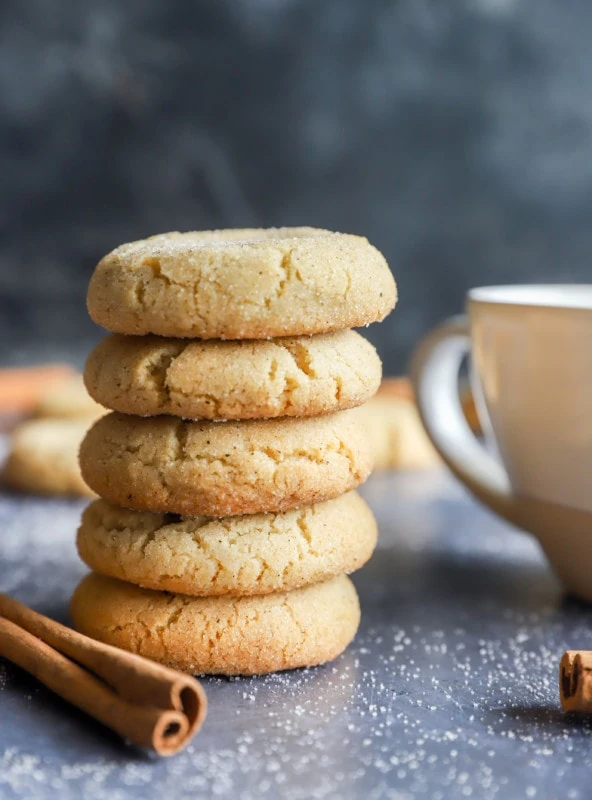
449 691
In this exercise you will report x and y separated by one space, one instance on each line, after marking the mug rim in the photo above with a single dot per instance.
535 295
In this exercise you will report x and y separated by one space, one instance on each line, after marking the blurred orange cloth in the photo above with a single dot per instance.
21 388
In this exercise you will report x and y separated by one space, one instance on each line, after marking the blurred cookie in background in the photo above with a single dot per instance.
46 411
43 457
396 432
68 399
395 428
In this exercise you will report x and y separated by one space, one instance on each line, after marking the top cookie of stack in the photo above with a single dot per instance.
241 284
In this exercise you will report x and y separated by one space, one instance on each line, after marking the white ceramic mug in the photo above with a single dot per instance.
531 370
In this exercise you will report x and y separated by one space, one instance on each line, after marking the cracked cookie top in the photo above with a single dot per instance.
252 379
241 284
243 555
224 468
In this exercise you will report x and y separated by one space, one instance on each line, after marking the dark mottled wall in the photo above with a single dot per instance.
456 134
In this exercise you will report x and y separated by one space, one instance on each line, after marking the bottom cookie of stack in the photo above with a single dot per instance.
226 635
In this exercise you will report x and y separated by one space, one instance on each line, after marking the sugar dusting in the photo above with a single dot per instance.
450 689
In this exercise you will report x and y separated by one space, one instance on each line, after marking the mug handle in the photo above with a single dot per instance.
434 371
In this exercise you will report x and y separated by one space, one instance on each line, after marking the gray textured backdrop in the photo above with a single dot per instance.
456 134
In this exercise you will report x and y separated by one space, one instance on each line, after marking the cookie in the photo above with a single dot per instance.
247 555
68 399
395 430
224 468
43 457
254 379
220 635
241 284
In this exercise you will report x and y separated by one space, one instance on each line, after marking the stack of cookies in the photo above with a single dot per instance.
228 520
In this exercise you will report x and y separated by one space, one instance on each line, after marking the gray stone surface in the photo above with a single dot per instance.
449 690
457 135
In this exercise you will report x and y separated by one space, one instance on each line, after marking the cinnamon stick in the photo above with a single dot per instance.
575 681
22 387
147 703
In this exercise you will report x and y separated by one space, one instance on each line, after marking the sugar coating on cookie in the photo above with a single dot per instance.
245 555
43 457
220 635
224 468
254 379
241 284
